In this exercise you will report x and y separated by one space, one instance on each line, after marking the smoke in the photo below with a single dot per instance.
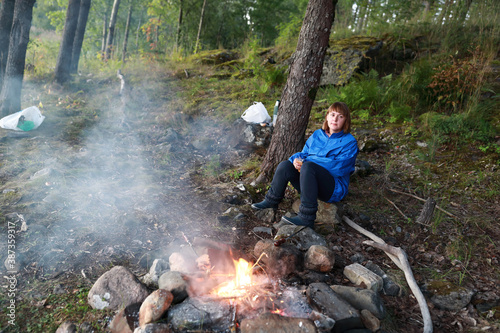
123 192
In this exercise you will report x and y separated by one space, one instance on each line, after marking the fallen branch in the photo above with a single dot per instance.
399 210
403 260
399 257
414 196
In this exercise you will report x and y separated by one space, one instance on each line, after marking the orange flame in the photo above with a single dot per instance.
237 286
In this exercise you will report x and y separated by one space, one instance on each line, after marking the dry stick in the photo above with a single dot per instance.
414 196
399 210
403 259
371 236
398 256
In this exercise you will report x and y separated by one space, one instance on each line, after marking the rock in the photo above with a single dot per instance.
154 328
14 263
284 260
293 302
182 262
319 258
362 299
304 239
263 245
359 274
115 289
447 296
274 323
174 282
370 321
328 213
362 168
332 305
251 136
126 319
67 327
154 306
266 215
264 230
157 268
345 57
390 288
194 313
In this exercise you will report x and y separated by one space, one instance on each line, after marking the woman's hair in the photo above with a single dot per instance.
341 108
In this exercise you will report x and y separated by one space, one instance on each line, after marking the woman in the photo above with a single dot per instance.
321 171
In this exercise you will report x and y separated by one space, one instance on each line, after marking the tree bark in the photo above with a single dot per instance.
179 27
196 46
111 30
63 64
79 35
6 16
301 86
10 98
127 28
104 34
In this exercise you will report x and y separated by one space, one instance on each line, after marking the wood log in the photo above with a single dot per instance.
427 212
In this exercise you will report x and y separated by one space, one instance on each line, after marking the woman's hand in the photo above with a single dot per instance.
297 163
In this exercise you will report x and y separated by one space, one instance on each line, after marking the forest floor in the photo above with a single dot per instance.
121 180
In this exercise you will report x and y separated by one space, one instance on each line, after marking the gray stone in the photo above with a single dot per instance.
304 239
154 328
390 288
266 215
115 289
448 296
362 299
264 230
196 314
182 262
360 275
323 297
67 327
319 258
174 282
274 323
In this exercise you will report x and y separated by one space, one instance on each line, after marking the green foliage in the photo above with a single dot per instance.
213 168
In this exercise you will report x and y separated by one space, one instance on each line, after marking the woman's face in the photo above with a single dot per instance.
335 121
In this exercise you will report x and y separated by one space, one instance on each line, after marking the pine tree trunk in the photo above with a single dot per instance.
125 38
6 16
79 35
111 30
301 86
104 35
179 26
10 98
63 64
196 46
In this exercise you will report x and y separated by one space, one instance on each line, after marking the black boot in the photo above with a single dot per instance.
298 221
264 205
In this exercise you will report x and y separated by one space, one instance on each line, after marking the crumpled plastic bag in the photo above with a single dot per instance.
256 113
24 120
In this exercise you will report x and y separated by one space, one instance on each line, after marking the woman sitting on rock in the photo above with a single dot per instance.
321 171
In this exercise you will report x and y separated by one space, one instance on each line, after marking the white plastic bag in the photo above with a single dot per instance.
256 113
25 120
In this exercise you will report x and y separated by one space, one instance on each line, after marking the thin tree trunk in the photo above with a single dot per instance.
104 35
127 28
10 98
63 64
301 87
199 27
179 26
111 30
463 9
79 35
6 17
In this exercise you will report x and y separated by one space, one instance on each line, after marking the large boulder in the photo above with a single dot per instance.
115 289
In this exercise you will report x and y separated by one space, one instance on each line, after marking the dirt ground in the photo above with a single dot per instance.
112 180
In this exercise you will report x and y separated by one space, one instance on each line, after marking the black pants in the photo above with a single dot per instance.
313 182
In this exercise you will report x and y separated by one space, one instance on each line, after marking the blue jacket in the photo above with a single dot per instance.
336 153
